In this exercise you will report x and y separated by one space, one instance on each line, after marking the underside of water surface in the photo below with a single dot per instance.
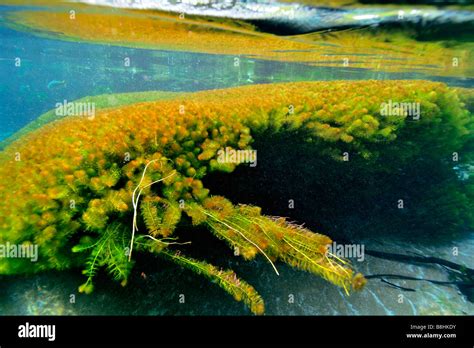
236 158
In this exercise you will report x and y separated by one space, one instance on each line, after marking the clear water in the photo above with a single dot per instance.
93 69
156 286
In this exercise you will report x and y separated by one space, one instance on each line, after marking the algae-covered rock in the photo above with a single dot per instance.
91 192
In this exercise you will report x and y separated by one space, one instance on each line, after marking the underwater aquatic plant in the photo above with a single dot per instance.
125 180
101 101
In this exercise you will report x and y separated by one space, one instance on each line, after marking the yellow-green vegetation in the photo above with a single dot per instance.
100 102
124 182
394 52
467 97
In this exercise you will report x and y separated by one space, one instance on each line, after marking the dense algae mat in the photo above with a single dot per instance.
93 192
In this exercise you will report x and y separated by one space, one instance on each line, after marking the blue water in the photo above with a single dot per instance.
93 69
